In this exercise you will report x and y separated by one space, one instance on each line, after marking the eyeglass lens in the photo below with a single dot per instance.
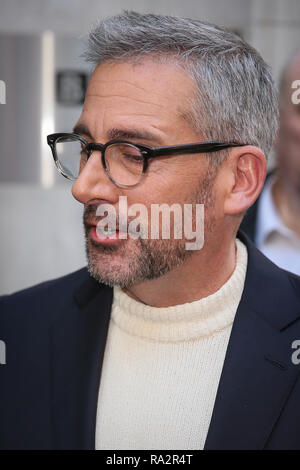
124 162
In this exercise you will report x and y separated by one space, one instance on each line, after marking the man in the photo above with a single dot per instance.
153 345
273 222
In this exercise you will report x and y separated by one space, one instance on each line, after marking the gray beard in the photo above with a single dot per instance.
146 259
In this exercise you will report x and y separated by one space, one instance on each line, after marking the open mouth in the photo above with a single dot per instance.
104 235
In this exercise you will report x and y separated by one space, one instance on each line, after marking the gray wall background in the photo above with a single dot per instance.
41 228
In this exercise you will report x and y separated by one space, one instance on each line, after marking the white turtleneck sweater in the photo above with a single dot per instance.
162 367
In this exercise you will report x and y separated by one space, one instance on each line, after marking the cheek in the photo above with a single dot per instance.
175 175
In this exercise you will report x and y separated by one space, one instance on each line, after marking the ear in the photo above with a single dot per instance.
247 169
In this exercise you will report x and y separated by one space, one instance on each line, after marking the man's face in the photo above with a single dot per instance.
124 100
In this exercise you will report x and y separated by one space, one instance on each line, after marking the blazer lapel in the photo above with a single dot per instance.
78 345
258 373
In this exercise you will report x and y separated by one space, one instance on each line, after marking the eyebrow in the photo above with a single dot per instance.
116 133
82 129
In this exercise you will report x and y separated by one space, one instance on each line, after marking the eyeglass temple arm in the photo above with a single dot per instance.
193 148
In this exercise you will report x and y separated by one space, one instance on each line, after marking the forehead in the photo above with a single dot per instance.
150 93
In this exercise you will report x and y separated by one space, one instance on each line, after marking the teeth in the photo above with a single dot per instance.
105 230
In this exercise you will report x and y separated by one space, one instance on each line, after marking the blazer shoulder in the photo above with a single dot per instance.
39 300
65 281
269 290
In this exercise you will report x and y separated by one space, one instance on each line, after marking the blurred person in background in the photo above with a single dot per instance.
273 222
152 346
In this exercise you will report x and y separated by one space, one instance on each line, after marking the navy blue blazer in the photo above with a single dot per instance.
55 335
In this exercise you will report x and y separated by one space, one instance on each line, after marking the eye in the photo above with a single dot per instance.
130 154
136 158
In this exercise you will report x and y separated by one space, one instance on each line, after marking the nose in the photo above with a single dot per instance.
93 182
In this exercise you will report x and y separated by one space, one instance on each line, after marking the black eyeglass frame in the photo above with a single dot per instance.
146 150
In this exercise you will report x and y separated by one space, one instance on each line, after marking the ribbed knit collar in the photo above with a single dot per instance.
187 321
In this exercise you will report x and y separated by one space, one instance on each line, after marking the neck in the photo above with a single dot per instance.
287 202
202 274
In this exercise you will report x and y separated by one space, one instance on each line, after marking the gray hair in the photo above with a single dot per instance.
235 96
